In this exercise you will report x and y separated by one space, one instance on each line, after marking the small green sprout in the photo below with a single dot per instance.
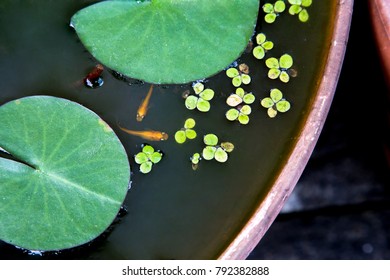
186 132
201 99
239 76
298 7
147 157
273 11
241 111
195 159
279 68
275 103
215 151
263 46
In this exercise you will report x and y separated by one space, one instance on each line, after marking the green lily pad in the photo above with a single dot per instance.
167 41
66 179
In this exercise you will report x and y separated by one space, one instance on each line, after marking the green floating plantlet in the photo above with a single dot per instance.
141 39
239 76
278 68
201 100
275 103
241 112
195 159
187 132
273 11
263 46
298 7
147 157
215 151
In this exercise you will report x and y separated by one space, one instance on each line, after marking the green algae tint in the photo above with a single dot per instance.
173 211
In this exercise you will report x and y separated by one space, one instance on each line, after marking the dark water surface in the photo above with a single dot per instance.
173 212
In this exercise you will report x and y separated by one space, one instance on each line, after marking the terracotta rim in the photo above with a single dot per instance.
380 17
270 207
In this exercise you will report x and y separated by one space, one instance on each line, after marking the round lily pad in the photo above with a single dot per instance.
67 176
167 41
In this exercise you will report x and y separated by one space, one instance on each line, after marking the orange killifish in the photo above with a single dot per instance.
143 108
150 135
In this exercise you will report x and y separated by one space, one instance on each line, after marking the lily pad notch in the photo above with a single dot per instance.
167 41
66 179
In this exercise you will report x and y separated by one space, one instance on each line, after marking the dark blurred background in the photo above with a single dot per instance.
340 208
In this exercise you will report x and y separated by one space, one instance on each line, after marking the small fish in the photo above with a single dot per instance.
94 79
150 135
143 108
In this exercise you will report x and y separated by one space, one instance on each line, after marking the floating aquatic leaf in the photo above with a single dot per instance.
263 46
146 167
195 158
191 102
141 39
147 157
190 134
208 152
180 136
275 103
186 132
232 114
233 100
189 123
227 146
243 119
279 68
141 158
198 87
298 7
283 106
203 105
272 11
210 139
221 155
249 98
155 157
67 178
207 94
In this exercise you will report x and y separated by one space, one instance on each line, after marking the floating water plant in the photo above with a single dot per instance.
298 7
65 175
239 76
263 45
147 157
273 10
275 103
241 101
115 32
278 68
215 151
195 159
201 98
187 132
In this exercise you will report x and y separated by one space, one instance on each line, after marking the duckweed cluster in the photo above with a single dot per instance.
147 158
187 132
275 103
272 11
215 151
263 45
239 76
201 99
278 68
297 7
240 101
